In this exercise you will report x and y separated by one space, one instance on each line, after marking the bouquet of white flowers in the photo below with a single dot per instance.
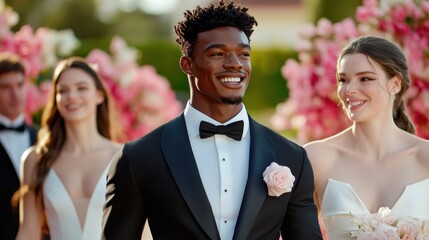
386 226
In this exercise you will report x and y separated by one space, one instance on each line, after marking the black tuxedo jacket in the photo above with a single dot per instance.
9 184
156 178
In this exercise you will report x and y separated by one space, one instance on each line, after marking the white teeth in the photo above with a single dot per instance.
231 80
352 104
72 106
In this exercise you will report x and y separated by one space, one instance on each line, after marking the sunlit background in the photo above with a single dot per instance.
146 26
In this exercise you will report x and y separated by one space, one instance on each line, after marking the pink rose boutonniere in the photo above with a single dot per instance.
279 179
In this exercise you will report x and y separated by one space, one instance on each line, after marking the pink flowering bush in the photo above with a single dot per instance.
143 99
312 108
38 50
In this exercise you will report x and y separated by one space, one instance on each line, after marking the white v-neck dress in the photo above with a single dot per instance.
61 214
340 202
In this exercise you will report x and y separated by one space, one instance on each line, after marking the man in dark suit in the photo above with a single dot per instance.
15 137
192 179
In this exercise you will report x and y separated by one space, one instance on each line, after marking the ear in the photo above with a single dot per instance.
100 97
186 65
394 85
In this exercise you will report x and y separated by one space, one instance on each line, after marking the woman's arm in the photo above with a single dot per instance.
30 215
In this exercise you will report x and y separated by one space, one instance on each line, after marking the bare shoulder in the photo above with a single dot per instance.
30 156
324 149
114 147
423 150
320 153
324 153
319 147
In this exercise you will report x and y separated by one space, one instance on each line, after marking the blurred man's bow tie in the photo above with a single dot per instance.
19 128
233 130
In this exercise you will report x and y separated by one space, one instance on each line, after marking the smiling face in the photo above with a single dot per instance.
364 89
219 68
76 95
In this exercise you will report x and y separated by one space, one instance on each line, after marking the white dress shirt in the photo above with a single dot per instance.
223 165
15 143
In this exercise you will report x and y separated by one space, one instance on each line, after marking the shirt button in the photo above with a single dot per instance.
226 221
226 190
223 159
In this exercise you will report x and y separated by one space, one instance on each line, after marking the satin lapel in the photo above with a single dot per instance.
262 153
180 159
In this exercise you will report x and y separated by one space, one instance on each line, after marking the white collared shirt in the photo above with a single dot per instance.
15 143
223 165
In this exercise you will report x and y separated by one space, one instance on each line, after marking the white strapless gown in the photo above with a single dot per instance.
61 214
340 202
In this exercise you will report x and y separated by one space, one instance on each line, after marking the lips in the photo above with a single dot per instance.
355 104
72 106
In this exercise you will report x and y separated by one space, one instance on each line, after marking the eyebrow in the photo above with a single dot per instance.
76 83
359 73
242 45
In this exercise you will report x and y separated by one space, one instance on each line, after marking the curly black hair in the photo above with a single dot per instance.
210 17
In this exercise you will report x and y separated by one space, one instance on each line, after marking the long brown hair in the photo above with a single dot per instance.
52 134
393 62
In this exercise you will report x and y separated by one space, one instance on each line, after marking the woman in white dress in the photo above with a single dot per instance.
66 171
378 161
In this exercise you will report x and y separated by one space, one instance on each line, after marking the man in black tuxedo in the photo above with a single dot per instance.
15 137
193 180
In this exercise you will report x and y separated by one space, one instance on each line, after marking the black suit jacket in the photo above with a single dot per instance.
156 178
9 184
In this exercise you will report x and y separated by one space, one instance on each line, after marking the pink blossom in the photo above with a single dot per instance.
368 11
345 30
142 97
408 228
8 18
106 68
324 27
425 6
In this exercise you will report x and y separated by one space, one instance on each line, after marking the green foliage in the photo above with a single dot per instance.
86 45
164 56
60 15
335 10
267 87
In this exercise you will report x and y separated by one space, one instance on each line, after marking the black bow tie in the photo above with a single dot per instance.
233 130
19 128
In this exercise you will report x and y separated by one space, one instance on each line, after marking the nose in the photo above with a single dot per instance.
15 91
233 61
70 94
351 88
